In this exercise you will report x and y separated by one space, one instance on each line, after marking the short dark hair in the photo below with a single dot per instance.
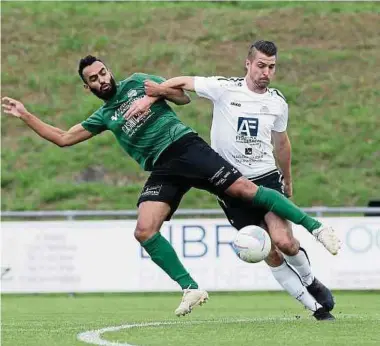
266 47
84 62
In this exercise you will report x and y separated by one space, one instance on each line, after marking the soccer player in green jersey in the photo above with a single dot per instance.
177 157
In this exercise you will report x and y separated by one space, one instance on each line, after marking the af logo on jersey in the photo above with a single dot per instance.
247 129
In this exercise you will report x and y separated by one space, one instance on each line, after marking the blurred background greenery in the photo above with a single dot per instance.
328 68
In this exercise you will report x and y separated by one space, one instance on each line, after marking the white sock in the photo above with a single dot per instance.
302 266
291 282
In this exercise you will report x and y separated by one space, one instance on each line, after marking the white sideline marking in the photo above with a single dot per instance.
95 336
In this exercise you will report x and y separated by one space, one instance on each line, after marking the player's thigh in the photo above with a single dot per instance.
151 215
158 201
204 167
239 213
275 258
245 189
242 188
280 230
241 210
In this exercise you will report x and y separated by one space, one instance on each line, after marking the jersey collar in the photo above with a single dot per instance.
114 97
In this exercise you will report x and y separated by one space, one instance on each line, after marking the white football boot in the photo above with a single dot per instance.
190 299
326 235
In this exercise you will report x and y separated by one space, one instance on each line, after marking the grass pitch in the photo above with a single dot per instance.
249 318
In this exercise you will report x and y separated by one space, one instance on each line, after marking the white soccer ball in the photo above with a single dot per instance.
252 244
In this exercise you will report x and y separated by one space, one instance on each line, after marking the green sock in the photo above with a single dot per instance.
283 207
163 254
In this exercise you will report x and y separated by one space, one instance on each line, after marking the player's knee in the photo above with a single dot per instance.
144 231
288 245
242 188
275 258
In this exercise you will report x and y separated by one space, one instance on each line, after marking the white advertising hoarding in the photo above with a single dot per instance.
103 256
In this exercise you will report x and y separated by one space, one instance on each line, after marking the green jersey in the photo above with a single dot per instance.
143 138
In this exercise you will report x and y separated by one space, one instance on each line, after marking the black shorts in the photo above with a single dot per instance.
240 213
186 163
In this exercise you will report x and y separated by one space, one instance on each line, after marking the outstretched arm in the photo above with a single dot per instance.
169 86
175 95
155 91
53 134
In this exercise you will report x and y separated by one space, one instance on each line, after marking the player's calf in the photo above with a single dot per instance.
287 244
274 258
280 231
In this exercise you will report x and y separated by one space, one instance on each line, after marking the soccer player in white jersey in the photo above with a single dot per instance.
247 118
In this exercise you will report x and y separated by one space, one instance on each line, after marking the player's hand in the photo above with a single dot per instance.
288 188
13 107
139 107
152 88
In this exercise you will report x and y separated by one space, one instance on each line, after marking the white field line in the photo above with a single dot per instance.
95 336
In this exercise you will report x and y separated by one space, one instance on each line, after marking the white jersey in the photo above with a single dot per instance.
243 121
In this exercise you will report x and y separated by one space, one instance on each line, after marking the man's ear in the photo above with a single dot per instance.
86 87
247 63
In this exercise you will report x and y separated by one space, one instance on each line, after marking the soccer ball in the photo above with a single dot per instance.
252 244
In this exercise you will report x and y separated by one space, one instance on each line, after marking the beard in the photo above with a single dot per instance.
263 83
106 94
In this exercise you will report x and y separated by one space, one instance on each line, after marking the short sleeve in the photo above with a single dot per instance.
281 122
95 123
210 87
157 79
143 77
